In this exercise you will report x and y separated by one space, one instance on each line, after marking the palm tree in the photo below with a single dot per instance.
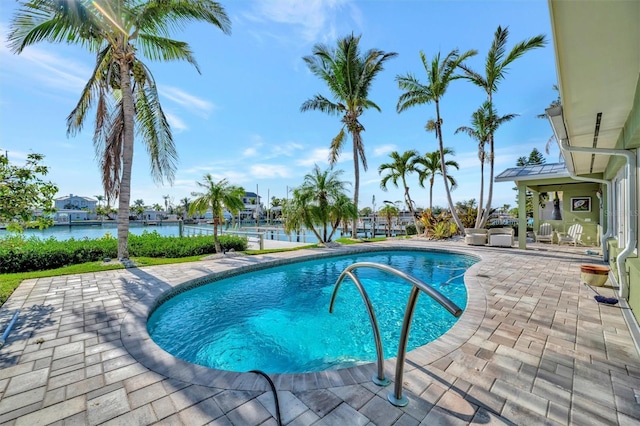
389 212
121 87
439 75
348 75
484 122
496 66
401 166
431 166
185 203
320 201
217 196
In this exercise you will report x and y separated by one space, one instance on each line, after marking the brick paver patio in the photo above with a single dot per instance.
533 347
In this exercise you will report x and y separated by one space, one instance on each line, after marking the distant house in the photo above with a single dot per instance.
252 206
74 207
75 202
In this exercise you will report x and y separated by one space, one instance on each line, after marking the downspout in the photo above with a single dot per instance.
630 244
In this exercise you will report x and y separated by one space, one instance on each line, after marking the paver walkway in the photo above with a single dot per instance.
533 347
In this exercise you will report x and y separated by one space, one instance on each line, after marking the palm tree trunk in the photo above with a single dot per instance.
485 214
480 211
216 242
408 200
443 169
431 181
124 197
356 185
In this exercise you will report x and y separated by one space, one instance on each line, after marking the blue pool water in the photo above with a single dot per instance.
277 320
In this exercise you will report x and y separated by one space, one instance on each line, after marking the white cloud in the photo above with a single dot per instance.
264 171
36 64
384 150
313 19
194 104
176 123
317 156
250 152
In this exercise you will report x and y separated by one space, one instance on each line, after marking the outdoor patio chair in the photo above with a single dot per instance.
475 236
545 234
501 237
572 236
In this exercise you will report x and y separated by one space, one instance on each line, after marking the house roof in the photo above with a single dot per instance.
533 172
68 197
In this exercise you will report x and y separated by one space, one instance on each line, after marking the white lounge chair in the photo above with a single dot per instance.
545 234
573 235
475 236
500 237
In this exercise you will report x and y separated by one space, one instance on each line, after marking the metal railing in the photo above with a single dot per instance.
396 397
257 237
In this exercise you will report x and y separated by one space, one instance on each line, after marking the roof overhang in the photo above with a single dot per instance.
597 50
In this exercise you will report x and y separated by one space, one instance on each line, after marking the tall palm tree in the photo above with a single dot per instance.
484 122
389 212
320 202
348 75
439 75
431 166
398 169
496 66
185 203
217 196
121 86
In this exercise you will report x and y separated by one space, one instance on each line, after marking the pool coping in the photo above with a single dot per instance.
138 343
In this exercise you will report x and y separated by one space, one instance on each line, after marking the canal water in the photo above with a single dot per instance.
79 232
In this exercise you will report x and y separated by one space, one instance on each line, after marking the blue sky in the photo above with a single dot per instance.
240 118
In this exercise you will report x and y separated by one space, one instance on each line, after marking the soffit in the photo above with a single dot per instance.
597 48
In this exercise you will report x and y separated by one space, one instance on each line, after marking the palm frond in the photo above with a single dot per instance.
320 103
156 133
161 48
158 16
336 146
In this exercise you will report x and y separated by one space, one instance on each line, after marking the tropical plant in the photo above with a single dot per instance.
137 210
398 169
468 212
484 122
389 211
217 196
185 203
348 75
496 65
22 190
430 165
438 226
320 202
121 86
439 75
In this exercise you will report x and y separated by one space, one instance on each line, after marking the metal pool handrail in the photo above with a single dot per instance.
396 397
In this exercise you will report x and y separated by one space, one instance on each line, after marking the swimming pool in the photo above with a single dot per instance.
277 319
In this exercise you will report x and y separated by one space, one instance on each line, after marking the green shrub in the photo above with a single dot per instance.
19 254
411 229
